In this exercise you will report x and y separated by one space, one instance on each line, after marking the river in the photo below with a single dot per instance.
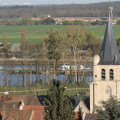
17 79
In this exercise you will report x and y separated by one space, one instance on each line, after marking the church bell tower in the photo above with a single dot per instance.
106 75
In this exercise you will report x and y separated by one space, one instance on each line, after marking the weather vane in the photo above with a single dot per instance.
110 9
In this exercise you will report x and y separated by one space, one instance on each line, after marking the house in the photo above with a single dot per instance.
18 107
16 115
81 107
89 116
38 112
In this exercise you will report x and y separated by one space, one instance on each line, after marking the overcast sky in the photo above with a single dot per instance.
53 1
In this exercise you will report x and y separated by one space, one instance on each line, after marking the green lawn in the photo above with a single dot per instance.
73 89
34 33
37 33
99 30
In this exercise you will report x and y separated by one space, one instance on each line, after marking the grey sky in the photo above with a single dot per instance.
52 1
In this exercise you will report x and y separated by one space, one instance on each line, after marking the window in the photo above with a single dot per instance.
14 105
37 114
111 74
103 74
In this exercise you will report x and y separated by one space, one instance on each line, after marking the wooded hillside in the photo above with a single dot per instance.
71 10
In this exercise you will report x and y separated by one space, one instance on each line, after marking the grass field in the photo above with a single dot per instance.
99 30
73 89
37 33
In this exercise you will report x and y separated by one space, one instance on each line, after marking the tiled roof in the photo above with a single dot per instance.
38 112
28 99
16 115
4 98
78 116
9 106
91 116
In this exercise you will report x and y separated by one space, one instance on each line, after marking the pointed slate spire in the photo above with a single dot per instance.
109 54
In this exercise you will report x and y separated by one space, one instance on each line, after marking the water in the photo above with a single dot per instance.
17 79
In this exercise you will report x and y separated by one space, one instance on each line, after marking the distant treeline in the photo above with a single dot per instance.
71 10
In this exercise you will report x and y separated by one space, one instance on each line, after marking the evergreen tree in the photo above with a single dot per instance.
110 111
58 106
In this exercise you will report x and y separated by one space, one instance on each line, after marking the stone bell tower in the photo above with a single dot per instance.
106 76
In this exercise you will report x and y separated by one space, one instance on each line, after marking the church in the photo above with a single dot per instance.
106 75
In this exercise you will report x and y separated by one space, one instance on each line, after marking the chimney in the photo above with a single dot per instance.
6 93
21 105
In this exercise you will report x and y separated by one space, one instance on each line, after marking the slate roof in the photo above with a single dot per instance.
109 54
87 102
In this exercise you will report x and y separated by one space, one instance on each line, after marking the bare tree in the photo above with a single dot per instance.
53 47
76 39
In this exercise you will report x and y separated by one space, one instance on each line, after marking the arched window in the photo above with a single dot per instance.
103 74
111 74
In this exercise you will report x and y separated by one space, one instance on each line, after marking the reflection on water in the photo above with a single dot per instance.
17 79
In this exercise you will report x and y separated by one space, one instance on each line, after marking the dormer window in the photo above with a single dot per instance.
111 74
103 74
14 105
38 114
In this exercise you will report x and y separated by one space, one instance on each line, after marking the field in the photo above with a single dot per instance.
99 30
34 33
37 33
72 89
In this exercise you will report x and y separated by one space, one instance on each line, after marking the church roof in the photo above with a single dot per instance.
109 54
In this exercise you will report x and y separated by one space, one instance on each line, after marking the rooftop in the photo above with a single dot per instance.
28 99
109 54
16 114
